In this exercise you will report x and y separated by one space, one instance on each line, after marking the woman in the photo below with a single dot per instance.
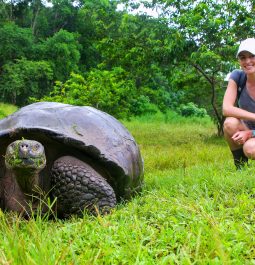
239 126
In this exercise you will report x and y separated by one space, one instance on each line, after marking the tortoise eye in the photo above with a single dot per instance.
12 146
37 146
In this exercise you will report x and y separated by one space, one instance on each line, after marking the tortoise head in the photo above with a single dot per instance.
25 154
25 159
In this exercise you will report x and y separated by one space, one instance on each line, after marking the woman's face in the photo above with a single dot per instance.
247 62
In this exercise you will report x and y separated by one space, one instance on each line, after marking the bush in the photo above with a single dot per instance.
109 91
191 109
142 105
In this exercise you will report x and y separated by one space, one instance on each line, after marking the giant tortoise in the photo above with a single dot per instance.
80 157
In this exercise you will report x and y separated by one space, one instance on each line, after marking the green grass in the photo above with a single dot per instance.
194 209
6 109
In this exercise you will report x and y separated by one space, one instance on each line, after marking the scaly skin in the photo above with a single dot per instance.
79 187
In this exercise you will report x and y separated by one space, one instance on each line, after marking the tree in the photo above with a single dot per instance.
4 12
62 52
24 79
15 43
96 20
140 45
63 15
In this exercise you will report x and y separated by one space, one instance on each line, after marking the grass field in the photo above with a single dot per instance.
194 209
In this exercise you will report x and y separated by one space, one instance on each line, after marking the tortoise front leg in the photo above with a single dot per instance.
78 187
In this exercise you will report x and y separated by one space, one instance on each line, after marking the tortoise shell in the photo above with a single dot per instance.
85 132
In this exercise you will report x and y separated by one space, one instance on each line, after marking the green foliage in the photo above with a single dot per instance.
62 52
62 15
170 117
15 43
141 46
96 20
23 79
4 12
109 91
142 105
191 109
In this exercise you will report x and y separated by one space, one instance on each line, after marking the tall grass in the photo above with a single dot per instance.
194 209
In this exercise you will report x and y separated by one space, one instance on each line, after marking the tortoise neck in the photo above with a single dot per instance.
28 180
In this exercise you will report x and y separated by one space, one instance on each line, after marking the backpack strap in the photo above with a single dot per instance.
241 84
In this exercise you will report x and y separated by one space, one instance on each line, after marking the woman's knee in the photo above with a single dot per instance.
249 148
232 125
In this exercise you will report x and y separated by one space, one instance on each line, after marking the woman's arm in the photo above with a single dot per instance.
229 109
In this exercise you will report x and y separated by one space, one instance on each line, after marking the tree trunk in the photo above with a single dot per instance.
219 118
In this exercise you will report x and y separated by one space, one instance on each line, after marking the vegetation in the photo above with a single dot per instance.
194 209
6 109
128 64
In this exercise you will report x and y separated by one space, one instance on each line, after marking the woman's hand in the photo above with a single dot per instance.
242 136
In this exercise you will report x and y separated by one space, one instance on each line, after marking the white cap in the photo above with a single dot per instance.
247 45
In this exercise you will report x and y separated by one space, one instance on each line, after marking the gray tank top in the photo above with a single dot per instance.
245 101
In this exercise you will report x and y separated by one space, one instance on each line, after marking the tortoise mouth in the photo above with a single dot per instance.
26 163
33 163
